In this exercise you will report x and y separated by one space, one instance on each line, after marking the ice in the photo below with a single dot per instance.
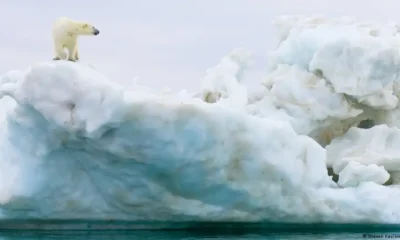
377 145
351 55
224 81
124 154
355 173
315 141
308 99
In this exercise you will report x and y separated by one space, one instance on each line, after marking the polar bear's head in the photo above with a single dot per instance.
79 28
85 29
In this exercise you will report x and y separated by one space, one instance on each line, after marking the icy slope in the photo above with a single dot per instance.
76 145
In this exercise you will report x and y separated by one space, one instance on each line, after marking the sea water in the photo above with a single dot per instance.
169 235
182 235
244 232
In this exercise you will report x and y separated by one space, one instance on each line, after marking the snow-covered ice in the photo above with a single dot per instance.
75 144
378 145
354 173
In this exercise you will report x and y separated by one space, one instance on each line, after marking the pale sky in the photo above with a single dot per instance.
165 43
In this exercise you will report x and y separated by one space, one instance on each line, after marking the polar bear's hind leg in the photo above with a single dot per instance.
59 52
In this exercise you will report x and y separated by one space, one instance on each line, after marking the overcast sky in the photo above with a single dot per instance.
166 43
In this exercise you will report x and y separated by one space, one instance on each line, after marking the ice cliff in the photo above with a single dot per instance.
316 142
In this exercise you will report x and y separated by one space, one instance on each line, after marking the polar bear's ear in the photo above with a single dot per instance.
85 25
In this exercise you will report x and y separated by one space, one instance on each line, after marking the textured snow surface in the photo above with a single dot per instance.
74 144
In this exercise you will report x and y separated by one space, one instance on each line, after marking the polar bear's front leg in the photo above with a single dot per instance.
76 52
59 52
73 51
76 55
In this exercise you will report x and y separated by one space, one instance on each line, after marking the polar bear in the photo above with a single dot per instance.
65 34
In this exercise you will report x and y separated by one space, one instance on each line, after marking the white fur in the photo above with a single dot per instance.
65 34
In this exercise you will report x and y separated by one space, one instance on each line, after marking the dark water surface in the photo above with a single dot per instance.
175 235
194 231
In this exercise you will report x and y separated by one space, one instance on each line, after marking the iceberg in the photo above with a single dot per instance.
315 142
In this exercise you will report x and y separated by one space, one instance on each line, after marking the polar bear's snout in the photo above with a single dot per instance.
95 31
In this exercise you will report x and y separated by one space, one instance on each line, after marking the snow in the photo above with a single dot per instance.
75 144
